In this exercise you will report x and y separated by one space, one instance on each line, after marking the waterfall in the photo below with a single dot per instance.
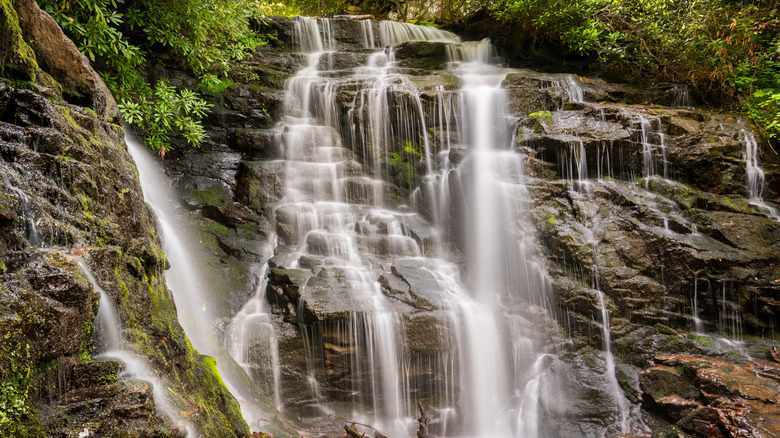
393 32
617 392
196 305
651 152
108 330
31 223
367 33
251 325
754 176
335 226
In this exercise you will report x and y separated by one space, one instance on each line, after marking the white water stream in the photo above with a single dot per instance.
194 301
754 176
493 372
108 329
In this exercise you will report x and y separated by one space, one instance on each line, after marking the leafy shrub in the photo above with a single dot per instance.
726 49
164 112
119 36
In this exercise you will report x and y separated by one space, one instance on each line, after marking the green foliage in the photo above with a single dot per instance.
210 83
121 37
403 164
166 111
284 9
726 49
763 107
14 379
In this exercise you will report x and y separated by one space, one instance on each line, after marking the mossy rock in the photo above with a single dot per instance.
17 59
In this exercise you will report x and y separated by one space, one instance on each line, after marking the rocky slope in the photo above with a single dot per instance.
68 191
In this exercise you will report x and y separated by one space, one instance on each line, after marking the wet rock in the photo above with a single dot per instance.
349 33
422 54
341 60
428 333
395 288
287 285
257 142
75 194
599 90
259 184
713 397
327 298
583 394
246 107
60 58
124 408
422 232
661 381
531 91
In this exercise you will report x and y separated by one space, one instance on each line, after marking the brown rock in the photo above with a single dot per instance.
58 56
738 400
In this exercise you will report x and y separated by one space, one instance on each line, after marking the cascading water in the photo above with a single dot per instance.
196 305
652 153
252 325
754 176
489 376
108 330
33 235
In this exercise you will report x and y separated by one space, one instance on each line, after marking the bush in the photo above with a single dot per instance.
729 50
206 36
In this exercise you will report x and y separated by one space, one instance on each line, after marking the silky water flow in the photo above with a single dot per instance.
486 369
489 376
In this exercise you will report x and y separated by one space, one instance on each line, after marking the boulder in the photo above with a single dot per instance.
59 57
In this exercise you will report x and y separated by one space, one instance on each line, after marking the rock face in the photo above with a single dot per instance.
642 204
716 398
69 190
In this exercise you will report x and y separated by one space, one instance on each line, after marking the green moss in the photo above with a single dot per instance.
551 223
85 347
541 114
704 340
107 377
217 417
17 59
665 330
2 267
684 196
215 196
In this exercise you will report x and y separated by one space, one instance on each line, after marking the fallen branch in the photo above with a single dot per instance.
356 18
354 433
422 430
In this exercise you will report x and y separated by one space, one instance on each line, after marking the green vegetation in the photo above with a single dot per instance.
728 50
123 37
164 111
16 57
14 378
402 165
541 114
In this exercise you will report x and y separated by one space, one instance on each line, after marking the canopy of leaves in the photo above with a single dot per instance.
727 49
120 37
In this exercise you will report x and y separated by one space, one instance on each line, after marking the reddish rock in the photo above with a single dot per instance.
737 399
